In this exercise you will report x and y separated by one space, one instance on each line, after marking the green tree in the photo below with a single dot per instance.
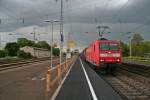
25 42
43 44
125 49
22 54
12 48
137 39
145 48
56 51
3 53
137 45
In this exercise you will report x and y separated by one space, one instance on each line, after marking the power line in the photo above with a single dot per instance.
95 15
141 26
117 14
105 9
23 19
10 13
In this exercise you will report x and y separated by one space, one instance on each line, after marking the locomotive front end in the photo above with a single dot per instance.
110 52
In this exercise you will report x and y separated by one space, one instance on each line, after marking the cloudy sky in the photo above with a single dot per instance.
81 17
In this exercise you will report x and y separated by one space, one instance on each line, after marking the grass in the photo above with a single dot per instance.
141 60
9 60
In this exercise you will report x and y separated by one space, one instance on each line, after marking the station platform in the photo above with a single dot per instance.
83 83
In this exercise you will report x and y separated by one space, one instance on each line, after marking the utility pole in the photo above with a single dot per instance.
99 31
130 48
0 33
52 46
130 44
61 30
68 40
34 32
0 21
0 41
68 51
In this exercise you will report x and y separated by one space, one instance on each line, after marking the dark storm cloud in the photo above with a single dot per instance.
85 11
80 16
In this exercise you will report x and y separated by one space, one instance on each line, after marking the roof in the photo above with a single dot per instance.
36 48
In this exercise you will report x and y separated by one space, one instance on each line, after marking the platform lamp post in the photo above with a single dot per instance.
52 22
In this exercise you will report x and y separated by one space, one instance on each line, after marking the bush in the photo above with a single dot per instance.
22 54
56 51
12 48
3 53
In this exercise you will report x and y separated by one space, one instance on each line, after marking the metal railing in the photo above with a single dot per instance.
55 76
137 59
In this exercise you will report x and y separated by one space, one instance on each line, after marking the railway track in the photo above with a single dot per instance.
137 69
131 82
12 65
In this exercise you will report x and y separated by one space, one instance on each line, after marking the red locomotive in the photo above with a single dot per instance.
104 54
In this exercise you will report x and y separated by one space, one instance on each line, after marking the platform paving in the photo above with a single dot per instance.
76 86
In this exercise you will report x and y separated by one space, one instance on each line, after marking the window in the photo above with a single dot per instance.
109 46
104 46
113 46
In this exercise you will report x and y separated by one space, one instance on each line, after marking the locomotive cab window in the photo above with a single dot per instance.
109 46
104 46
113 46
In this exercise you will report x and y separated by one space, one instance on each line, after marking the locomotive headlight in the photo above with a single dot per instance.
102 60
118 60
103 54
116 55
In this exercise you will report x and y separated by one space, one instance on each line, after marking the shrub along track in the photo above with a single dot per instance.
132 82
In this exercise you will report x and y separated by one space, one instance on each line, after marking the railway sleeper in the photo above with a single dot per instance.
137 97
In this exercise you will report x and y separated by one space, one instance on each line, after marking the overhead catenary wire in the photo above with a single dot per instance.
117 14
10 12
14 15
105 10
141 26
23 19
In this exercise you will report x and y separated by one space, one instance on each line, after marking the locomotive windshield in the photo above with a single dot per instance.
104 46
109 46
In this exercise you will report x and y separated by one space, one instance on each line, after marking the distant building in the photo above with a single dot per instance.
76 51
36 52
